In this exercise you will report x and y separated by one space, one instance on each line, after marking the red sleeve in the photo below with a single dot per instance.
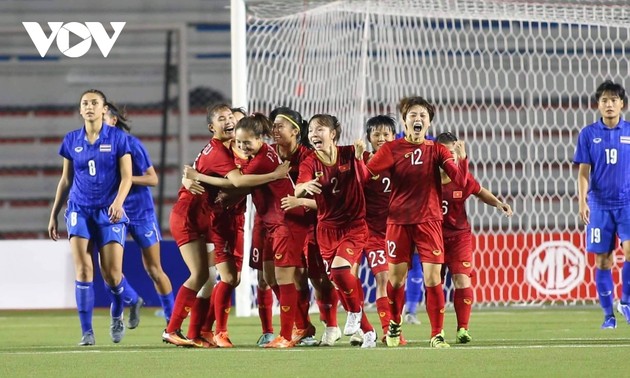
307 172
362 172
457 174
381 160
223 162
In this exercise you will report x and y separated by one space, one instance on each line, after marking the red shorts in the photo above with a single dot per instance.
189 220
261 245
347 242
287 243
426 236
458 253
375 254
226 233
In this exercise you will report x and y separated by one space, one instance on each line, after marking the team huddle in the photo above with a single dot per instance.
320 208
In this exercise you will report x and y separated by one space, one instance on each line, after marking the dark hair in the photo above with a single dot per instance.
256 123
215 108
329 121
609 86
296 119
379 121
239 110
96 91
122 122
446 138
408 102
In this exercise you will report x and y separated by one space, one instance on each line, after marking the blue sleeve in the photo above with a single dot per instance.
141 155
63 149
122 145
582 155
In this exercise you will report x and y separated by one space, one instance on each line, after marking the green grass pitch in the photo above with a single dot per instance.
556 342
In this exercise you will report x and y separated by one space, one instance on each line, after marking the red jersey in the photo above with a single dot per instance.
415 177
267 198
296 158
214 160
377 191
341 201
454 206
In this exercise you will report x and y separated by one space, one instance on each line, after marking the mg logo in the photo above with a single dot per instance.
61 33
555 267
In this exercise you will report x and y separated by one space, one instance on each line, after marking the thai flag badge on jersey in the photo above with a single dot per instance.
457 194
625 139
105 148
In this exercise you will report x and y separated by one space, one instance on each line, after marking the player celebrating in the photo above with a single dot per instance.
335 177
458 236
603 155
379 129
415 214
97 175
143 225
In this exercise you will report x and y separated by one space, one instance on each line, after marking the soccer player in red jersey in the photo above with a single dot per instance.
195 220
415 213
335 177
290 134
379 129
458 236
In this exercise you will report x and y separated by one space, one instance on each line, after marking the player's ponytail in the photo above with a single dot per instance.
122 123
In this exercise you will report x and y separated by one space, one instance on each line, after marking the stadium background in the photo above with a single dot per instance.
516 90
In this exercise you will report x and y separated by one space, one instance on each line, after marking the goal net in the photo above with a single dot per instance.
514 79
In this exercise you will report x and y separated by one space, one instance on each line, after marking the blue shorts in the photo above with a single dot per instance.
604 227
145 232
94 224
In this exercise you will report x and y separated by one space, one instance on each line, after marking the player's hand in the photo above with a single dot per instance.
312 187
505 208
460 149
192 186
282 170
290 202
585 212
52 229
190 172
359 149
115 212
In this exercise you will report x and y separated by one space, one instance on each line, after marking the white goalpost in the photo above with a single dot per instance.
514 79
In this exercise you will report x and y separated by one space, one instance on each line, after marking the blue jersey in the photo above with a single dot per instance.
607 150
96 169
139 202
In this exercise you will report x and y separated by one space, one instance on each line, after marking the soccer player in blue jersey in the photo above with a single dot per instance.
603 155
143 225
96 179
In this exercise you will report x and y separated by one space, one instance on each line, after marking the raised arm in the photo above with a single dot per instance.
65 182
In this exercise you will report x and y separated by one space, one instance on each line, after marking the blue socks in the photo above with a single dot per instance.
129 294
167 302
605 290
415 284
116 296
84 293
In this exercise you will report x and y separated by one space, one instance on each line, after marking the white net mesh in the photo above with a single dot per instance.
514 79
